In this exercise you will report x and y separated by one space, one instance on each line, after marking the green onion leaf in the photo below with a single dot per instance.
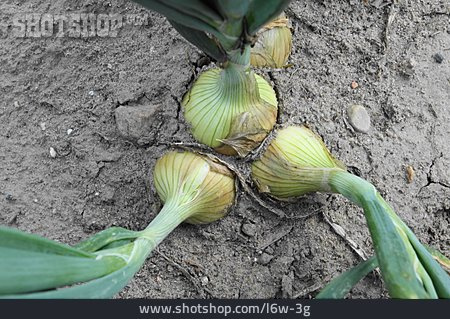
233 9
339 287
16 239
187 19
201 40
105 238
439 257
441 279
100 288
396 263
297 162
262 11
26 271
203 10
194 189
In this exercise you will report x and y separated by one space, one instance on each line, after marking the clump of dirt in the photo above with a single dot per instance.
62 93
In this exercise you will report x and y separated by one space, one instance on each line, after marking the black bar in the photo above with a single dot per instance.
275 308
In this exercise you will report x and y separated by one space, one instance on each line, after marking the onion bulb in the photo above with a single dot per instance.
273 45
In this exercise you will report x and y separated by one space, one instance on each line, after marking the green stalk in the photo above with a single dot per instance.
262 11
173 213
407 267
240 57
229 21
102 287
15 239
297 162
24 271
439 257
229 109
202 41
194 188
340 286
132 255
439 278
29 262
107 237
189 18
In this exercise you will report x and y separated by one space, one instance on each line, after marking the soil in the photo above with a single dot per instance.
99 179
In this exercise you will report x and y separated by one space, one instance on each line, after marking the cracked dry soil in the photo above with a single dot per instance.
99 179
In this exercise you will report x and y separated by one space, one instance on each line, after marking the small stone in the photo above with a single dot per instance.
407 67
16 104
410 174
390 134
109 66
439 58
108 194
43 126
204 280
125 96
249 229
359 118
354 85
10 198
134 122
264 259
52 152
69 131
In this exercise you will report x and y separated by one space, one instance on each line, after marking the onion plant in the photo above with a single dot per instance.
297 162
194 190
273 45
229 108
340 286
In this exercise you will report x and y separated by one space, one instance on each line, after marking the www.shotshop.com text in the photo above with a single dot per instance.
265 308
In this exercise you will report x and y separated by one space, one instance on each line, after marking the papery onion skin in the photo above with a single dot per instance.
296 162
231 109
206 188
274 44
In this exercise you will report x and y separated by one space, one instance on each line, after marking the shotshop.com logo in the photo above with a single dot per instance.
73 25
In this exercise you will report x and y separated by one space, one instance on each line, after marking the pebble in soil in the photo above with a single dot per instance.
359 118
